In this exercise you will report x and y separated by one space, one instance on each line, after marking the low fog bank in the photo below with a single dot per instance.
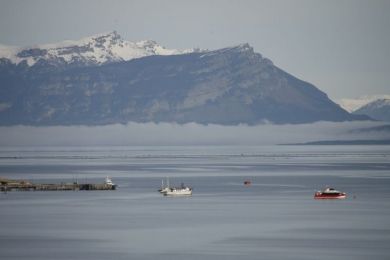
188 134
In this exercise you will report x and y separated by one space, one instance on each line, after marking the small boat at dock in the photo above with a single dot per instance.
330 193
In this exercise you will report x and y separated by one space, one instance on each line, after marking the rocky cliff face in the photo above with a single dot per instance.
227 86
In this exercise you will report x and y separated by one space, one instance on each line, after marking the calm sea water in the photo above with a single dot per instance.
274 218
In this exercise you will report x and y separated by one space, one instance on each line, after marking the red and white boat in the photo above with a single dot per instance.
330 193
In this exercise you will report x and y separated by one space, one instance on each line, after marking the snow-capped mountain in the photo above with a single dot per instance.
378 109
94 50
228 86
353 104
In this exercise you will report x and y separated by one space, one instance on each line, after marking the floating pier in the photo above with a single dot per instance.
22 185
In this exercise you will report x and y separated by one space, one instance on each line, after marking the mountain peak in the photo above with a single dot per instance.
378 103
242 47
245 47
243 50
378 109
353 104
112 35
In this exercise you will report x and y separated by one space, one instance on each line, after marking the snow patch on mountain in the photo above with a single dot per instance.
353 104
97 49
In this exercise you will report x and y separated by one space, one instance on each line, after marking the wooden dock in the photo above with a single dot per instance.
22 185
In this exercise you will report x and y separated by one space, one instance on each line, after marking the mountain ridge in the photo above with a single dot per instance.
93 50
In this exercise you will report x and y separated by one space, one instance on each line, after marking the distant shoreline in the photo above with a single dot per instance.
345 142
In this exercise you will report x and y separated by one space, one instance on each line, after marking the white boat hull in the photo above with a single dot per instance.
178 192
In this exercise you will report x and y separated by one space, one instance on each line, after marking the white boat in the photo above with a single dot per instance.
182 191
174 191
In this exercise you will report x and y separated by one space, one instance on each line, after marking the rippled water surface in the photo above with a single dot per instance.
274 218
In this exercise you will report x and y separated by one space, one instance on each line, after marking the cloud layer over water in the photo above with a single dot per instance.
187 134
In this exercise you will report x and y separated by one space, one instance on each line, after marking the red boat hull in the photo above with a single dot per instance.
320 195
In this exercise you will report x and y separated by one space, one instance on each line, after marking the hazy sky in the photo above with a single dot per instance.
342 47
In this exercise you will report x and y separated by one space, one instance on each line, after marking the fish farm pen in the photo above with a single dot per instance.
15 185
